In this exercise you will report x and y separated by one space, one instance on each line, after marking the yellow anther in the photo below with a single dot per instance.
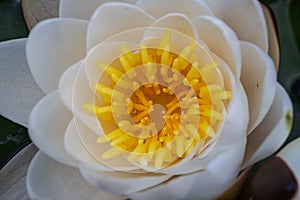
212 88
130 72
180 145
206 107
121 82
130 105
184 132
156 89
142 98
109 69
171 103
206 130
173 108
114 134
165 42
194 72
165 57
150 71
154 146
221 95
204 102
129 55
146 58
108 92
193 109
191 129
140 149
212 114
124 124
97 110
141 115
186 54
140 106
113 152
160 157
176 64
120 139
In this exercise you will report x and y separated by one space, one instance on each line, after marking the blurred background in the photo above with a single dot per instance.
14 137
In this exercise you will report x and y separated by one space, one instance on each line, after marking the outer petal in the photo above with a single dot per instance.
18 90
82 9
121 182
259 80
47 123
245 17
272 35
47 179
53 45
159 8
103 25
221 40
206 184
273 130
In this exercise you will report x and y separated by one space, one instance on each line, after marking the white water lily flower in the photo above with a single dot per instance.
148 99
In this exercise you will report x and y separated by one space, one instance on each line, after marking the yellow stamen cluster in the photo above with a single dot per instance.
191 111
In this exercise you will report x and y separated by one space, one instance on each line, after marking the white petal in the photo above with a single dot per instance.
272 35
106 21
19 92
88 139
53 45
245 17
176 22
75 91
47 179
122 182
221 40
259 80
272 131
47 124
82 9
206 184
159 8
290 154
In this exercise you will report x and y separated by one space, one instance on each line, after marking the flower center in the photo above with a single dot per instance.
157 107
